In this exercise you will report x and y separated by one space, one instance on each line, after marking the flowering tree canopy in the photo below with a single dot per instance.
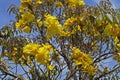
61 39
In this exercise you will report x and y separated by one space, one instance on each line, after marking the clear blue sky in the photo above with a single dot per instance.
5 17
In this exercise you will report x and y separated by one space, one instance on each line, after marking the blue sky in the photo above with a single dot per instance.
115 3
4 5
4 15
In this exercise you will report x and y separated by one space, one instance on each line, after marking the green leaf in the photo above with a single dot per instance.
118 16
109 17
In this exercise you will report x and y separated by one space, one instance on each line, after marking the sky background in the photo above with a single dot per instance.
5 17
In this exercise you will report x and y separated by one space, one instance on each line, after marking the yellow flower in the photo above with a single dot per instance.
41 53
50 67
20 24
51 21
25 4
22 9
79 28
89 69
116 40
118 45
69 22
48 46
118 54
27 17
63 33
43 56
15 49
26 29
59 4
74 3
38 2
53 26
39 22
25 0
84 60
112 30
81 2
31 49
14 52
67 26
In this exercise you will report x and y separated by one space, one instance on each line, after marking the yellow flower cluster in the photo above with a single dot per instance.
31 49
22 23
18 58
84 60
26 15
43 56
41 53
26 18
112 30
74 3
69 22
53 26
26 5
